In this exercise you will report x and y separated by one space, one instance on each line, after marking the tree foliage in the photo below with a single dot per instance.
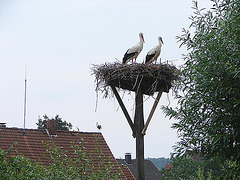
192 169
184 168
208 116
18 167
60 124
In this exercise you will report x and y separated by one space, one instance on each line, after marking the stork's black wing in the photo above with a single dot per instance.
149 57
127 56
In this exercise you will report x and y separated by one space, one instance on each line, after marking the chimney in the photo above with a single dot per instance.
51 127
3 125
128 158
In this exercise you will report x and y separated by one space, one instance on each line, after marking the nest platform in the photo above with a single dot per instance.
150 78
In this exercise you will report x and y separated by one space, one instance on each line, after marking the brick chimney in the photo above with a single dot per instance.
51 127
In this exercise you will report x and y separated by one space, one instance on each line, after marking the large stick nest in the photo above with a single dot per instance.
149 77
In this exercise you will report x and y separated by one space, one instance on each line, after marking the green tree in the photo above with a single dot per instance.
60 124
183 168
195 168
208 115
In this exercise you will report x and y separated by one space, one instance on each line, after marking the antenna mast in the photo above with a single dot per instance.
25 100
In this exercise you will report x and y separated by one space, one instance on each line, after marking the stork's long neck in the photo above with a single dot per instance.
160 44
141 40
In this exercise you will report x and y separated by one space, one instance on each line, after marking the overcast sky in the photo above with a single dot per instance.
59 40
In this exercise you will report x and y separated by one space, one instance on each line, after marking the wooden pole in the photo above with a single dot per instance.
139 123
152 111
124 110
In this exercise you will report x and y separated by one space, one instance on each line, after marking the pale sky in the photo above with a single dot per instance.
59 40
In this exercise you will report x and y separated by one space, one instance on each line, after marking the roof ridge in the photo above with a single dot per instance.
31 129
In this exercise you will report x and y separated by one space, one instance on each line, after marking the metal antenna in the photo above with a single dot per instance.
25 101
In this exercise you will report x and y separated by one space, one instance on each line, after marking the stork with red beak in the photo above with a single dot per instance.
154 53
133 52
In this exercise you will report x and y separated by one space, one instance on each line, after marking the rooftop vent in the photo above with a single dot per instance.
128 158
3 125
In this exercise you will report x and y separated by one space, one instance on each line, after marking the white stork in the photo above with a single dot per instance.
133 52
153 54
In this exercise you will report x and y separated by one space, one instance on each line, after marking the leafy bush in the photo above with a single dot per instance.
19 167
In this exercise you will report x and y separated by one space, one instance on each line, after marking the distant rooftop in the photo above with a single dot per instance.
151 171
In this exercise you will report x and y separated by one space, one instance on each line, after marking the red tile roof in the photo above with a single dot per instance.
32 145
